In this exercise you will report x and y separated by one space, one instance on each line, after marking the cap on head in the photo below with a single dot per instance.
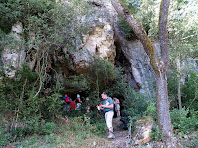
78 96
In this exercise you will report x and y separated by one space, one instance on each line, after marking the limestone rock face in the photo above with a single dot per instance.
105 39
14 57
142 131
139 71
100 39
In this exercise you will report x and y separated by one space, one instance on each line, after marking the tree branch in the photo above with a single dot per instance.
40 86
190 36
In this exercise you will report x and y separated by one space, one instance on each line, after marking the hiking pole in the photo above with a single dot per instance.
129 135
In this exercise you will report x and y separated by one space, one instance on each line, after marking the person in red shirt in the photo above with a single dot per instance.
73 105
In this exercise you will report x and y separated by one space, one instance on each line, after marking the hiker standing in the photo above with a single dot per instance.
66 106
107 106
78 102
117 106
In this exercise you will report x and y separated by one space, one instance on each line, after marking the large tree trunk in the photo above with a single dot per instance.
159 65
162 107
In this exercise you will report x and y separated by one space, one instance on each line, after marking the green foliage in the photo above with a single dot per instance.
172 88
182 121
182 28
190 91
76 83
185 120
156 134
25 128
151 109
188 88
10 13
48 27
4 136
128 31
18 96
102 76
146 12
134 103
98 123
48 128
83 126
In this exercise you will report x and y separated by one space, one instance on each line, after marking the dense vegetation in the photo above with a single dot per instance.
31 103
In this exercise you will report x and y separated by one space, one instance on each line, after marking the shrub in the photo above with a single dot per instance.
48 128
4 136
184 120
156 134
190 91
151 109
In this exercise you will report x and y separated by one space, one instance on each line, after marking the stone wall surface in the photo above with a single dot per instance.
14 57
101 42
100 39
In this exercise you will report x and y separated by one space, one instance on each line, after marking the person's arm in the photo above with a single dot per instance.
107 106
79 100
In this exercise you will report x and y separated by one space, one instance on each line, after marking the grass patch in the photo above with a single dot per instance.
74 132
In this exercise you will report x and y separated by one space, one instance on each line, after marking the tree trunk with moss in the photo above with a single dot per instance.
159 65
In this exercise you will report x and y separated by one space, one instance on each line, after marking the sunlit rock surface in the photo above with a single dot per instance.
143 127
100 39
13 57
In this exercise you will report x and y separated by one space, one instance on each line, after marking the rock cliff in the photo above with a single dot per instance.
12 58
105 40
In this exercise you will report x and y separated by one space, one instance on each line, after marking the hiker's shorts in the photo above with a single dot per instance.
109 118
117 107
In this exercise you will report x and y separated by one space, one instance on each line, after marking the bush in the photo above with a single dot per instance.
48 128
27 128
190 91
151 109
184 120
156 134
4 136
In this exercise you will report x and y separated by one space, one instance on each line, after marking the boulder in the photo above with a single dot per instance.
100 39
143 127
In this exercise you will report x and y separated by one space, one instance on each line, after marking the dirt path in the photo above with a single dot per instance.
120 140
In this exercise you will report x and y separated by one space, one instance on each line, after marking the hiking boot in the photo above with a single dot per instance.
111 135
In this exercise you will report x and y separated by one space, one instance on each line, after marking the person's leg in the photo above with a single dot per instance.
118 113
68 107
109 118
64 107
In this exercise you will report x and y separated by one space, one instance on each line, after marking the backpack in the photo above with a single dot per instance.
67 99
